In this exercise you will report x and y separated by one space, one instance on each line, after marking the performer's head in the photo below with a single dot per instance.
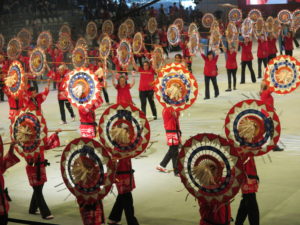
146 65
32 92
206 172
62 68
262 37
178 58
231 48
210 55
263 86
246 40
122 80
289 34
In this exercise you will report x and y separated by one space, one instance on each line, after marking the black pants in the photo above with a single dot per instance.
140 60
171 154
166 50
248 207
271 57
105 95
189 66
33 83
215 84
289 52
260 61
54 85
1 92
144 95
62 104
3 219
243 77
296 42
124 202
38 202
231 73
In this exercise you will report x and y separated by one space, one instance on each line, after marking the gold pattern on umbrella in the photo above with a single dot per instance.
248 129
83 171
284 76
12 79
120 135
24 134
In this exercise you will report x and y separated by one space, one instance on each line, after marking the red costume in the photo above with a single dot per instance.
34 103
262 49
61 93
272 49
288 43
267 98
146 79
14 104
215 214
210 67
124 96
171 124
231 60
251 183
91 214
124 176
246 51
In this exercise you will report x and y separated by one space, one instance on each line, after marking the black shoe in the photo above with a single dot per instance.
254 81
277 149
242 82
259 77
229 89
234 88
155 117
206 98
216 95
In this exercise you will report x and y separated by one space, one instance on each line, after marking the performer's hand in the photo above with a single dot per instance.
48 82
58 131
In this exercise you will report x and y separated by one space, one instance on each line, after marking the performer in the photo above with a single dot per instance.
288 43
57 57
163 40
186 54
178 59
248 206
4 66
267 98
36 173
123 88
272 49
231 64
15 104
210 72
173 135
146 88
102 79
125 184
262 53
247 58
211 214
6 162
62 95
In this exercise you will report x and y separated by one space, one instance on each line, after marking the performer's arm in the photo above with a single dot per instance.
113 80
134 64
133 79
10 158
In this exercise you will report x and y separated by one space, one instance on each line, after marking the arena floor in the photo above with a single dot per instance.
160 199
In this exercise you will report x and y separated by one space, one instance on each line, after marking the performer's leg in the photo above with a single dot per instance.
289 52
206 79
243 72
33 203
296 42
1 93
129 209
175 158
62 110
70 109
259 62
35 85
242 211
150 97
215 84
45 212
234 78
167 158
229 79
265 61
117 210
143 99
105 95
166 51
3 219
253 78
253 211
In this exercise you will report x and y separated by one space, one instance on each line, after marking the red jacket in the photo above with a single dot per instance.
262 49
61 91
185 52
210 67
251 183
146 79
124 176
246 51
171 119
6 162
288 43
214 214
36 102
124 96
267 98
272 49
231 60
163 39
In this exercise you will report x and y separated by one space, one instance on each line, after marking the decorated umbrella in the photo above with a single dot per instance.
157 57
214 40
87 170
259 27
124 53
45 40
16 80
207 20
65 29
108 27
235 15
37 61
176 87
2 41
152 25
254 14
80 57
192 28
123 31
254 126
14 48
193 44
232 33
173 35
83 88
82 42
211 151
25 36
179 23
285 16
269 24
277 27
124 131
214 26
296 20
130 25
91 30
64 42
137 43
247 27
105 46
282 74
29 130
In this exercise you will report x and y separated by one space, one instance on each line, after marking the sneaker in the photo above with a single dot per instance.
73 119
63 122
234 88
216 95
155 117
48 217
206 98
229 89
161 169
